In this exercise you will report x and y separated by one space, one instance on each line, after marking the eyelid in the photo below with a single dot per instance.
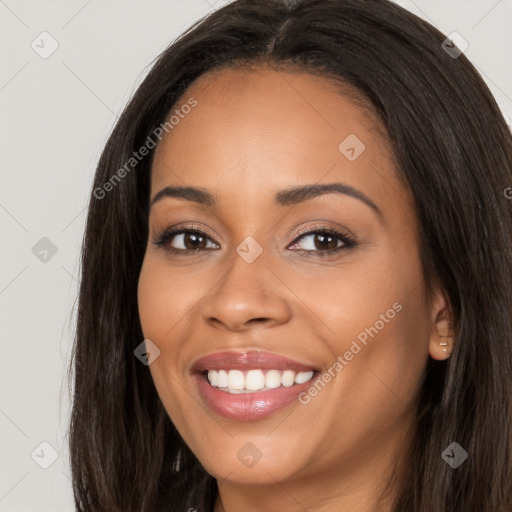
179 229
327 227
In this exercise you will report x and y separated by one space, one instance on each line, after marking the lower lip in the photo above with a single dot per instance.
248 406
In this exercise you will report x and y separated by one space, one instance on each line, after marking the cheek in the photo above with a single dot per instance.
164 297
380 322
391 350
153 299
163 301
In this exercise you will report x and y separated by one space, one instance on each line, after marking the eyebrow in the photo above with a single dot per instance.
289 196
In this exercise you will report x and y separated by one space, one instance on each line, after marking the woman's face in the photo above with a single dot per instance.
252 290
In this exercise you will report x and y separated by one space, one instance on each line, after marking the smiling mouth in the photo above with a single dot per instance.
255 380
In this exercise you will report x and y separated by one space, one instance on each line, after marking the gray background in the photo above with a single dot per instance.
56 114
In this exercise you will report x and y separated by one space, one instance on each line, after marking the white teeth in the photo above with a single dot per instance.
236 381
213 377
288 378
223 379
272 379
302 377
254 380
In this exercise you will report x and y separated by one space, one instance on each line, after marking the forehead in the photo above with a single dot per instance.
259 128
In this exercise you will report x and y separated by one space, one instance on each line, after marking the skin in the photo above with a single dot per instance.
253 133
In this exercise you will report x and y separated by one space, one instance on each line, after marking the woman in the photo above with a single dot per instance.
296 274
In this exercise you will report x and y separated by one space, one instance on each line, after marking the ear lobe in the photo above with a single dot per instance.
442 339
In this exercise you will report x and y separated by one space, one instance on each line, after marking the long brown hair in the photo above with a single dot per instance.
453 150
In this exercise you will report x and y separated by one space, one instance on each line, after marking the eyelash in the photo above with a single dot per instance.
163 240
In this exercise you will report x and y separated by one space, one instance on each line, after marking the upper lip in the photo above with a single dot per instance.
246 360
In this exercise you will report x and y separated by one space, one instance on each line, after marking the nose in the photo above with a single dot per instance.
249 294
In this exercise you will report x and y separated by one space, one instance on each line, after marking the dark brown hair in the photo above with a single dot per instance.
453 150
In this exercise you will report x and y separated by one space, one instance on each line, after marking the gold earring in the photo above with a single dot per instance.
444 344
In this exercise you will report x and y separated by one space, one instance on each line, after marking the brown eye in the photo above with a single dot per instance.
325 242
185 241
322 241
194 241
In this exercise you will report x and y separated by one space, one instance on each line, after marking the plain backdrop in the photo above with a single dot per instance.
56 113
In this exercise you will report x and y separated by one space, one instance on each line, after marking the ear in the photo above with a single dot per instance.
442 338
